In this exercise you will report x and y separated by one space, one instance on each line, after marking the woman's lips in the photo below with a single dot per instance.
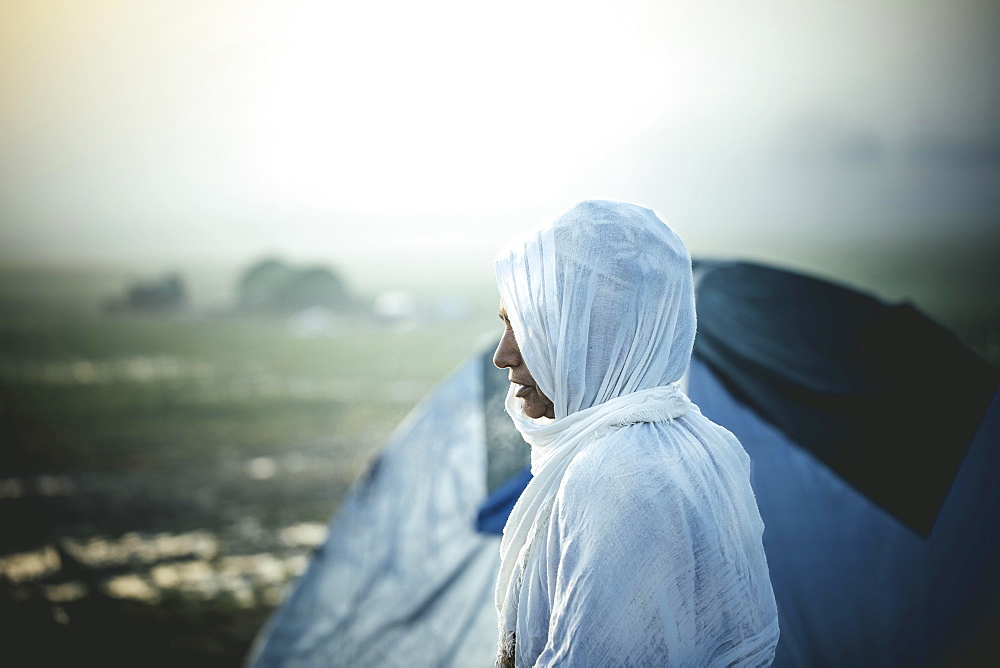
523 391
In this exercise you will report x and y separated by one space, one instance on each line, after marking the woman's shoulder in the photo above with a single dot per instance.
627 465
636 449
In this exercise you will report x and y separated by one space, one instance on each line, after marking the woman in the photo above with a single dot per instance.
638 541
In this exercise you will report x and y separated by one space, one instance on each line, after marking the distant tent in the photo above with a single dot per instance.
874 437
271 286
262 284
165 293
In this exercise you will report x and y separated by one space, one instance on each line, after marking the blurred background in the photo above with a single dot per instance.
240 240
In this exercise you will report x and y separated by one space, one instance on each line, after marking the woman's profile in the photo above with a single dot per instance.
638 540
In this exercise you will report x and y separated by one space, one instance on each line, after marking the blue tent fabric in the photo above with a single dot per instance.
844 375
495 510
853 585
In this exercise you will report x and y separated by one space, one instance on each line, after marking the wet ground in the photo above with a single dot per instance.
176 567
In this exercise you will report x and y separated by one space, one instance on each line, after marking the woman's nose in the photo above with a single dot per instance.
507 354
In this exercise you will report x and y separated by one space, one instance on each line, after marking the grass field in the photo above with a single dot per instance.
84 389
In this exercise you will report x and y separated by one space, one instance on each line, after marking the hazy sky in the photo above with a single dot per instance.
226 128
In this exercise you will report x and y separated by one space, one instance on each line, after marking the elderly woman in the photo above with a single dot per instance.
638 541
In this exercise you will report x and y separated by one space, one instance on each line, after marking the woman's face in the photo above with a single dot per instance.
508 356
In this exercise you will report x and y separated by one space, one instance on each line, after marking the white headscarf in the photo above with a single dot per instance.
601 302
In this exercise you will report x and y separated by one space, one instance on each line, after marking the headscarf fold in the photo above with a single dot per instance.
601 302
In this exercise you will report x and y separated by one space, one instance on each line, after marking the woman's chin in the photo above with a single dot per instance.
534 411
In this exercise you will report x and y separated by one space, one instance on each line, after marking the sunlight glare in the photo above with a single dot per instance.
404 107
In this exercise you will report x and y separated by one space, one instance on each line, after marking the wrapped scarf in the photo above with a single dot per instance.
638 540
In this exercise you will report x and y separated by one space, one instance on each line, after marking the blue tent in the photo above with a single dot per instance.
874 437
